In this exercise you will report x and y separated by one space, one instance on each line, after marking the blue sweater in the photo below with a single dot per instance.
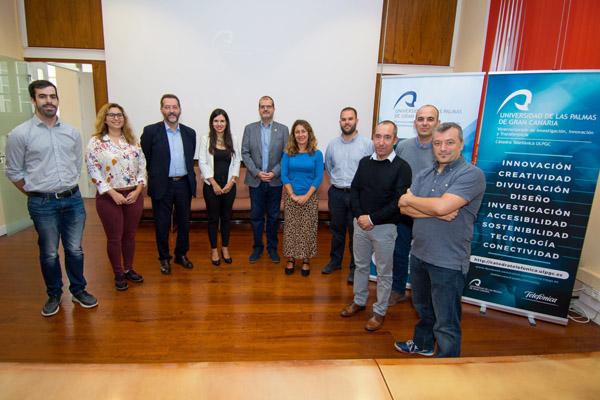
302 171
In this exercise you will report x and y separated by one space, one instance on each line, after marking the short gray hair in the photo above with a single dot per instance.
444 126
388 122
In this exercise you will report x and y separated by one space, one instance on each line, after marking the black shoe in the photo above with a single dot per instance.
227 260
329 268
184 262
256 254
84 299
290 266
165 267
52 306
274 256
305 271
350 279
121 282
133 276
216 263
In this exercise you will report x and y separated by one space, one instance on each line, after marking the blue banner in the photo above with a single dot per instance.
539 148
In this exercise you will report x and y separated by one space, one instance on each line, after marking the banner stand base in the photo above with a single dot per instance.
482 309
531 317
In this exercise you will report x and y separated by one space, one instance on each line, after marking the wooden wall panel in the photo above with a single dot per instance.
376 101
98 75
64 23
100 85
417 31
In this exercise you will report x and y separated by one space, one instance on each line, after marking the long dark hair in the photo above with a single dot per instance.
212 133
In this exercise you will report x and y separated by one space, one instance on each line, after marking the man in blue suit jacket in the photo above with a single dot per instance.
169 149
262 148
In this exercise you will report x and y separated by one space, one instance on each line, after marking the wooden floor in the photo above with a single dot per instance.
573 376
237 312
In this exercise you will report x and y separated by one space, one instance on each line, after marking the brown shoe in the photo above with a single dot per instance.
396 298
351 309
375 322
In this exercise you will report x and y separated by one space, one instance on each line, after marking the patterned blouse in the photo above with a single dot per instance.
113 166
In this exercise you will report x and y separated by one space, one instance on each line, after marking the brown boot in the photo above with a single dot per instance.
351 309
375 322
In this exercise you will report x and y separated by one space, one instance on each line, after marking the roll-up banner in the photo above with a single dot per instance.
540 150
457 96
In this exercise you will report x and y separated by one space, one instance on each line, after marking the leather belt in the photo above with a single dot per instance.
61 195
346 190
177 178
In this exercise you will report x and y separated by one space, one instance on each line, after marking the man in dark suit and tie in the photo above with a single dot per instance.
169 149
262 148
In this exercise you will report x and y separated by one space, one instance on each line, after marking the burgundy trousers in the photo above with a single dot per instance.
120 224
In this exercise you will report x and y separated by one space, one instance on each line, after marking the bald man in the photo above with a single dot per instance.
418 154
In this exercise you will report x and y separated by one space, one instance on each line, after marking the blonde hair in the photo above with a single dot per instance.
102 129
292 145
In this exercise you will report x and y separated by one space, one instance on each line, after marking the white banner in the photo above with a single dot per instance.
457 96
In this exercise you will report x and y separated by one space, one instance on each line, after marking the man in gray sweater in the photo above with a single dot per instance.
418 154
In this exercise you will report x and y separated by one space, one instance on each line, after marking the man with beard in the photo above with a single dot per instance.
341 161
262 148
43 160
169 149
418 154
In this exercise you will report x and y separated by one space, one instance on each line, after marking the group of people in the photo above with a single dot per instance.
413 202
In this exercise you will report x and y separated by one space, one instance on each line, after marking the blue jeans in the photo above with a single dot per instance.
265 200
436 295
401 254
341 221
59 220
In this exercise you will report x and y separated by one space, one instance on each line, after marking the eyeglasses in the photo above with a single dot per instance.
114 116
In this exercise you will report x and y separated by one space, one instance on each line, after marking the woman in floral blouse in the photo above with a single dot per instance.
117 167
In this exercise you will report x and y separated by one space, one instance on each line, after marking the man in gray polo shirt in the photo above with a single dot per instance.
444 201
418 154
43 160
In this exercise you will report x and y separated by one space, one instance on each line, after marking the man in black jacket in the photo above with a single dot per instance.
169 149
379 182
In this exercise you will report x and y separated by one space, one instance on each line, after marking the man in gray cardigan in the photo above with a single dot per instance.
262 148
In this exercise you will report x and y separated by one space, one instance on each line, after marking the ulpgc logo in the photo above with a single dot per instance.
411 98
520 106
475 285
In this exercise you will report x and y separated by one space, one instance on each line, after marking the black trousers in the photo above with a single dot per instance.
179 197
341 222
219 209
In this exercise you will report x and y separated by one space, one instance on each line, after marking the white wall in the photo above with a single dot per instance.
470 41
313 57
